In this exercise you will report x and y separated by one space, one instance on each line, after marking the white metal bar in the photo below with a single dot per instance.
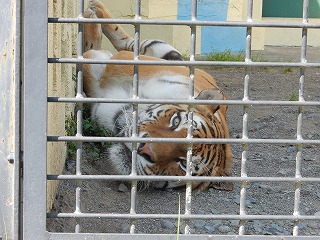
189 22
79 114
185 63
184 178
35 118
135 114
297 194
185 140
245 131
182 101
188 199
103 236
182 216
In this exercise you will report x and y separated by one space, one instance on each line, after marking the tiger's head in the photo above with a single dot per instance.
173 121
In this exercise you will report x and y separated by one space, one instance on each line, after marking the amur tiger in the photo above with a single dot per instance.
154 120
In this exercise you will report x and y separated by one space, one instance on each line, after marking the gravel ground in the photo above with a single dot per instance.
263 198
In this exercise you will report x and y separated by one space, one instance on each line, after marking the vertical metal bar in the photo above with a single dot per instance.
35 118
79 113
135 113
188 200
297 199
17 225
245 147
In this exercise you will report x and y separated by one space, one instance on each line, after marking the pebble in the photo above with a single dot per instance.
167 224
274 229
249 201
317 213
266 187
209 228
215 211
216 223
224 229
234 222
283 171
199 223
301 226
309 135
122 188
236 135
307 158
257 225
291 149
313 115
125 228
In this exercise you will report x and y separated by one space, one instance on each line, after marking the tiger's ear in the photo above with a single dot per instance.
211 94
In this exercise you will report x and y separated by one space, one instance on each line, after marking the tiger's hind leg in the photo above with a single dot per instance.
122 41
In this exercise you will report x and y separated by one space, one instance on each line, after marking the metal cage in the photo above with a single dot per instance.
35 137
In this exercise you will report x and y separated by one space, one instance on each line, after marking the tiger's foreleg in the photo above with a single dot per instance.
92 32
114 32
122 41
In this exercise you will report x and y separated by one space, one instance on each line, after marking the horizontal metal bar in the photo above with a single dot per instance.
183 140
103 236
183 178
187 22
184 63
184 101
183 216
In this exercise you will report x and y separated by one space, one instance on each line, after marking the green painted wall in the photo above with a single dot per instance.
289 8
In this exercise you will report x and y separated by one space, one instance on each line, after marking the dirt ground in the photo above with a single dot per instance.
270 160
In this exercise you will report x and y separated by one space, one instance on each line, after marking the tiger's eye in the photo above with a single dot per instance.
175 121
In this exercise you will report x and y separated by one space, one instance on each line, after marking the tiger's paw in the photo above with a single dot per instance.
100 9
227 186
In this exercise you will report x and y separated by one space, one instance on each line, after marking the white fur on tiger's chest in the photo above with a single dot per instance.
164 87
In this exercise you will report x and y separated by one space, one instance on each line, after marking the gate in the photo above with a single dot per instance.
137 219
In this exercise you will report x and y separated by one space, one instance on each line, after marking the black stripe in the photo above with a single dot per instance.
172 55
204 128
172 82
154 42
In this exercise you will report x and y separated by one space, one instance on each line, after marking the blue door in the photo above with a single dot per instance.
214 39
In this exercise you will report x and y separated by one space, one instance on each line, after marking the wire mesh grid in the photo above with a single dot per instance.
243 216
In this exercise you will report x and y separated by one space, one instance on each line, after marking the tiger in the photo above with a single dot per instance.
154 120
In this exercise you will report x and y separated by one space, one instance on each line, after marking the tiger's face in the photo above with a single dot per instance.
170 159
172 121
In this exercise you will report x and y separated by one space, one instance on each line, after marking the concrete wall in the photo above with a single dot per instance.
238 10
273 9
290 36
9 118
62 43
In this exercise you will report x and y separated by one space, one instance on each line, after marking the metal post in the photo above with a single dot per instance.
35 118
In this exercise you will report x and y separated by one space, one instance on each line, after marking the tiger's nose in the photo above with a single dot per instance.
145 151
